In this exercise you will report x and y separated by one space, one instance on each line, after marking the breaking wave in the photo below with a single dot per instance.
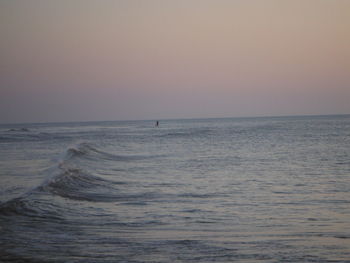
66 180
74 178
87 151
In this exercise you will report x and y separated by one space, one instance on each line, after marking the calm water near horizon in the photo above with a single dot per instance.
208 190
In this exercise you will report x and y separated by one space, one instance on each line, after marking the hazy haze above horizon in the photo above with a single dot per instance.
117 60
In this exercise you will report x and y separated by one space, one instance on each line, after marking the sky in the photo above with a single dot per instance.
87 60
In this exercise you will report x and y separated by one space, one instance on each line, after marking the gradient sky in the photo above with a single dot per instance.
79 60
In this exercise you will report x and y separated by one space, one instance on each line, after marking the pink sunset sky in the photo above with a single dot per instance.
79 60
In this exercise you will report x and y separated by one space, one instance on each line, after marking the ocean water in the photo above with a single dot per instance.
209 190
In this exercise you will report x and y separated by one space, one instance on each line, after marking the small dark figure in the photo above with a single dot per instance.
157 123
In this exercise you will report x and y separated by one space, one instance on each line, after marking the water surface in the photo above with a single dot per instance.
210 190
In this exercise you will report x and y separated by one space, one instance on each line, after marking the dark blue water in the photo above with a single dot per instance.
210 190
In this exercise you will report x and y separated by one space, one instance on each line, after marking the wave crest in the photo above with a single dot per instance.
87 151
77 184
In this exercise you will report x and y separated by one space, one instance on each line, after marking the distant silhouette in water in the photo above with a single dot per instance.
157 123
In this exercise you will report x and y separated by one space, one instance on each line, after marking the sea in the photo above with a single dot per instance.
267 189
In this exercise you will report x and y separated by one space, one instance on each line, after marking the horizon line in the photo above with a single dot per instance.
173 119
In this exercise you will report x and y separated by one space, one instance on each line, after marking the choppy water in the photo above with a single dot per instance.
216 190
